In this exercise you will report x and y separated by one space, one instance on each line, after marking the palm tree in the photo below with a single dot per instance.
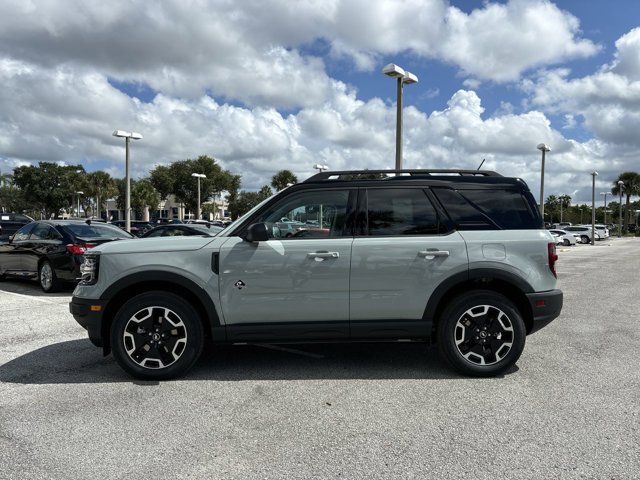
281 179
100 186
630 187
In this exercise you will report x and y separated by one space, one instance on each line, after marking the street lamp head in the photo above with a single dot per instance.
594 173
604 193
125 134
80 193
620 183
199 175
543 147
410 78
317 166
393 70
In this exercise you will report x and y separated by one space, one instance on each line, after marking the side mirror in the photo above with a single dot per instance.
11 238
257 233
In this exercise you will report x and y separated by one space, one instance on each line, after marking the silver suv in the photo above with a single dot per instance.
455 257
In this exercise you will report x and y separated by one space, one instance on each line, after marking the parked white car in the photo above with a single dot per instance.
563 237
582 233
603 231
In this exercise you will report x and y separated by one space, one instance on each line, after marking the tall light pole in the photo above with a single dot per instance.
620 187
78 195
594 174
127 203
402 78
605 206
199 176
544 148
321 168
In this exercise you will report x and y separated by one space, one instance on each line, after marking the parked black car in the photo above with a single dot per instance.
182 230
51 250
11 222
138 228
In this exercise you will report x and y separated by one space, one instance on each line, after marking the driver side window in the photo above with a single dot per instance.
24 232
313 214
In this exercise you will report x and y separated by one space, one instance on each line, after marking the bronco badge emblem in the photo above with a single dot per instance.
239 284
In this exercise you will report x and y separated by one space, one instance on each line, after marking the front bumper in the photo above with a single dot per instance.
88 313
546 306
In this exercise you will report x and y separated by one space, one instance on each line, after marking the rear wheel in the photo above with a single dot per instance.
566 242
585 239
47 277
481 333
156 336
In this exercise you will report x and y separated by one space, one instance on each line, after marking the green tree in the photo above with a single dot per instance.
143 194
631 187
176 179
552 206
100 186
281 179
244 201
49 187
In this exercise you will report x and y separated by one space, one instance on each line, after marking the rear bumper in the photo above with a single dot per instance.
88 318
546 306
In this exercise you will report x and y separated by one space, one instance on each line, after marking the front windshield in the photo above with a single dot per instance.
240 219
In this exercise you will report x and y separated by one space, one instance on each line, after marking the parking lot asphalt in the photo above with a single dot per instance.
570 409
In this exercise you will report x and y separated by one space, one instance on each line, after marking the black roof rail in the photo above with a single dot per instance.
385 174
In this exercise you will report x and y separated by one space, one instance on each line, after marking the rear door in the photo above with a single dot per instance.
402 251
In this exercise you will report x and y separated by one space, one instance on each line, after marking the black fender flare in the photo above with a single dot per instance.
473 274
164 277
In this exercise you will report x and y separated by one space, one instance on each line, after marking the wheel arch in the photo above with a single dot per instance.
511 286
135 284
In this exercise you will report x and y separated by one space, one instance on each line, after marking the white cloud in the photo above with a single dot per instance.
250 51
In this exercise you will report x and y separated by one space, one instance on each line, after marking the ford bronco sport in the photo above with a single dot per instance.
455 257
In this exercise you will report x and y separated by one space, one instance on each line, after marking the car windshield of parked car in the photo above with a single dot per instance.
94 230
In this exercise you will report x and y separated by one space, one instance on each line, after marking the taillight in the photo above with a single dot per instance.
79 248
553 258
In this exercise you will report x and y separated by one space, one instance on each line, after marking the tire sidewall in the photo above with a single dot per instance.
446 332
187 314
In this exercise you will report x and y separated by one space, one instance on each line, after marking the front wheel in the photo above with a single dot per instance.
481 333
156 336
585 239
566 242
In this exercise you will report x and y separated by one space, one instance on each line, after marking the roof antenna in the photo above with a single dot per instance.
481 163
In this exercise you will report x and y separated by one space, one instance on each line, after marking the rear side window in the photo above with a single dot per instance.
463 214
401 211
507 209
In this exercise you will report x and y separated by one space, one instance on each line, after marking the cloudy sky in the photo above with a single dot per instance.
263 85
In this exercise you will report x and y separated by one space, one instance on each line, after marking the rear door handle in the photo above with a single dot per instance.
431 254
323 255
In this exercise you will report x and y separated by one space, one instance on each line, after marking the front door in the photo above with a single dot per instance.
402 251
296 284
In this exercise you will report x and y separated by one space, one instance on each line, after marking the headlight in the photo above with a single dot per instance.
89 269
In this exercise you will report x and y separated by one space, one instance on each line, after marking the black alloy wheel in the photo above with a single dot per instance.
156 336
481 333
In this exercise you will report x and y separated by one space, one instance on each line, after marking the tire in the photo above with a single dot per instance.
566 242
47 277
481 309
150 348
585 239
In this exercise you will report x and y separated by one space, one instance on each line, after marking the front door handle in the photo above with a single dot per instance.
431 254
323 255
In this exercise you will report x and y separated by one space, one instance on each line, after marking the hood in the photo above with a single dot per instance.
157 244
